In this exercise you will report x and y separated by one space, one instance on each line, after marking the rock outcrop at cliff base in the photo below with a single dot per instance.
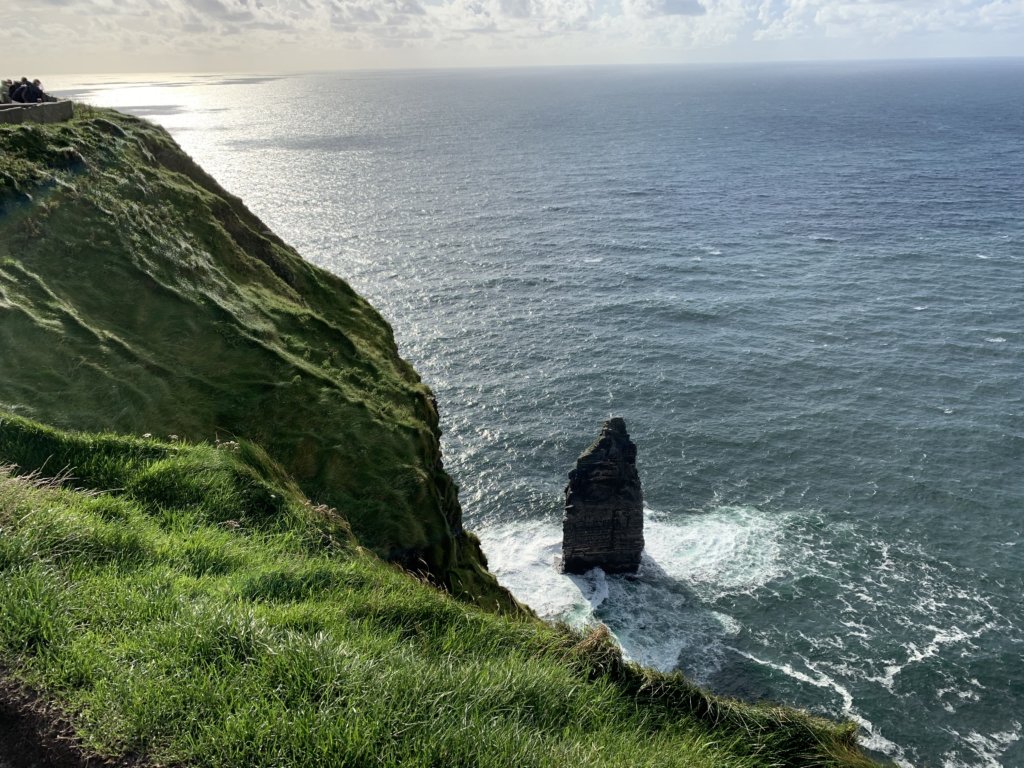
603 526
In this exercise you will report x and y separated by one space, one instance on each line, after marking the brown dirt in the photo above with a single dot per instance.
36 734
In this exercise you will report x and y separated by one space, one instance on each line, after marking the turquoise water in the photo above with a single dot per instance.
800 285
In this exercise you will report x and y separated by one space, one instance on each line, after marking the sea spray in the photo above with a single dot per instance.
660 616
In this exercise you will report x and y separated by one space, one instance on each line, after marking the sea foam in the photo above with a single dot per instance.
690 561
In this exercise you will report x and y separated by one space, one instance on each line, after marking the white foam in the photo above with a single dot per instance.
996 340
857 629
871 739
731 550
522 556
593 585
657 616
988 750
729 624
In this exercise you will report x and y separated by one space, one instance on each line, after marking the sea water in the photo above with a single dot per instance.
801 285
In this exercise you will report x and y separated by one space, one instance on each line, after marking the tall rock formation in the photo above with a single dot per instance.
604 519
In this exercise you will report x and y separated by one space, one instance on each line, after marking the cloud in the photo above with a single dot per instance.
141 28
648 9
873 20
517 9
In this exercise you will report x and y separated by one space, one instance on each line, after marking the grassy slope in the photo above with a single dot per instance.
138 296
186 602
205 613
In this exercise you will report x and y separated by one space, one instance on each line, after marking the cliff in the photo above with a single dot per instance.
137 296
198 547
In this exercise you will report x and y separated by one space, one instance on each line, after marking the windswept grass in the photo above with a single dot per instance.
138 296
204 597
177 621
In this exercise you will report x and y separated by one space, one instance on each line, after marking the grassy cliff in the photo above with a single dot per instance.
194 554
185 604
138 296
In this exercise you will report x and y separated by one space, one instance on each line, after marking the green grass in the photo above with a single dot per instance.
185 604
215 595
137 296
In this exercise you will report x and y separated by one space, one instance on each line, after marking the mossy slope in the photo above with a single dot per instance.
137 296
207 614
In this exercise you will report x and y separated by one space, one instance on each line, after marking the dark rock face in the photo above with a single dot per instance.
604 518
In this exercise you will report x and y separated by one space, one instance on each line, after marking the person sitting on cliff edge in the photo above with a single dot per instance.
32 93
15 89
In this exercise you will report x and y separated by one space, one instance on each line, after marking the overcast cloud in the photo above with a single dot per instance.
148 35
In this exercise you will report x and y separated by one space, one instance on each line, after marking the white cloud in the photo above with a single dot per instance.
647 9
159 30
872 20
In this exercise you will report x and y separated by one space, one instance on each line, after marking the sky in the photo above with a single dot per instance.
97 36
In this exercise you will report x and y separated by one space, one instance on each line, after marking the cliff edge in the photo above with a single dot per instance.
194 547
138 296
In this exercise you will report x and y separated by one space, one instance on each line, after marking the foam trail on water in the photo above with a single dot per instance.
872 739
951 636
988 749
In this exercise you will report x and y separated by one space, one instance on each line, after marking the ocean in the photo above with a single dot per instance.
802 286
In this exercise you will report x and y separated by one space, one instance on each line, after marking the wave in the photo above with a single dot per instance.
822 602
870 737
690 562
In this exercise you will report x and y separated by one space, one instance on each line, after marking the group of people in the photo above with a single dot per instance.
23 91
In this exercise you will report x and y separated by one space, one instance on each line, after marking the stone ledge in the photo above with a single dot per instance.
46 112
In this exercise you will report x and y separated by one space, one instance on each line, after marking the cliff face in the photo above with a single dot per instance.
136 295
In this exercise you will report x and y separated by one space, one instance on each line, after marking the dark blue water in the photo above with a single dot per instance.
800 285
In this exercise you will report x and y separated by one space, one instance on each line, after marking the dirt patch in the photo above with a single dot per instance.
36 734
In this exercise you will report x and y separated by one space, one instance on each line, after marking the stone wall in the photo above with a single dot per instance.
47 112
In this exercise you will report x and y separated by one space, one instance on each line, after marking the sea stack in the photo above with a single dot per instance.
603 525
